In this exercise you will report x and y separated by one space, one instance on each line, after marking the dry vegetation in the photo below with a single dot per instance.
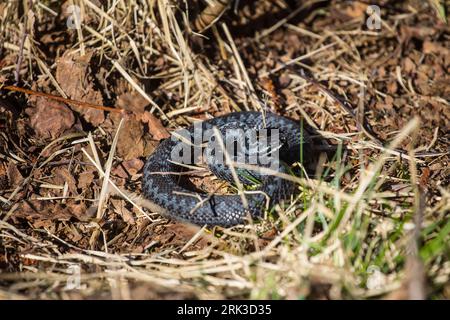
373 222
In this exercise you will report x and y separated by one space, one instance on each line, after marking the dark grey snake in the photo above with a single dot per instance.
160 182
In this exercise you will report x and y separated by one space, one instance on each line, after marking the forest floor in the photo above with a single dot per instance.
372 222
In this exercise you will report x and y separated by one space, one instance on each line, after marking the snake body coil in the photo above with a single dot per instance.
161 186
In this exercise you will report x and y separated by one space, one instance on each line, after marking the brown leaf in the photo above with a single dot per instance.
407 32
433 47
128 168
356 9
3 176
408 65
62 175
424 178
49 119
85 179
73 75
179 233
392 87
14 176
78 209
133 166
155 127
131 140
126 215
132 101
45 213
42 210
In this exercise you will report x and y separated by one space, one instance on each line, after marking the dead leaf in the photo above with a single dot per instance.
78 209
45 213
356 9
73 75
179 233
4 180
14 176
128 168
132 101
392 87
155 127
408 65
62 176
49 118
39 211
433 47
126 215
424 178
133 140
133 166
85 179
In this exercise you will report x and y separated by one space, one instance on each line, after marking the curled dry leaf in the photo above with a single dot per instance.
155 127
49 118
356 9
73 75
430 47
128 169
133 166
45 213
56 211
133 142
85 179
136 103
15 178
3 176
120 208
62 176
78 210
132 101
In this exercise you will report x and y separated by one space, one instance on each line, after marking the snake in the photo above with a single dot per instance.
163 188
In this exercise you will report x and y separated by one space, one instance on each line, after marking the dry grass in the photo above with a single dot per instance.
358 229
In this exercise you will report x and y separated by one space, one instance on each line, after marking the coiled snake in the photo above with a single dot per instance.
160 182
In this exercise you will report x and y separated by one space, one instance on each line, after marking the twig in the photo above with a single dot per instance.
64 100
414 266
20 56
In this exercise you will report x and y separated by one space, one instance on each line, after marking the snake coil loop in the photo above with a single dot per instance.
161 186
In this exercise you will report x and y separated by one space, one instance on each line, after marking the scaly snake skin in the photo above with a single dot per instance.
161 186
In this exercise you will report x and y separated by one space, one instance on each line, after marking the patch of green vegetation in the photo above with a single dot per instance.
439 244
269 290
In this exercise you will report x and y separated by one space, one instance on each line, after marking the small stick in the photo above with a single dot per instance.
20 57
211 14
61 99
22 43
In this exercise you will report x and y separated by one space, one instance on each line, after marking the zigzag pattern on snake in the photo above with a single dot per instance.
162 187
